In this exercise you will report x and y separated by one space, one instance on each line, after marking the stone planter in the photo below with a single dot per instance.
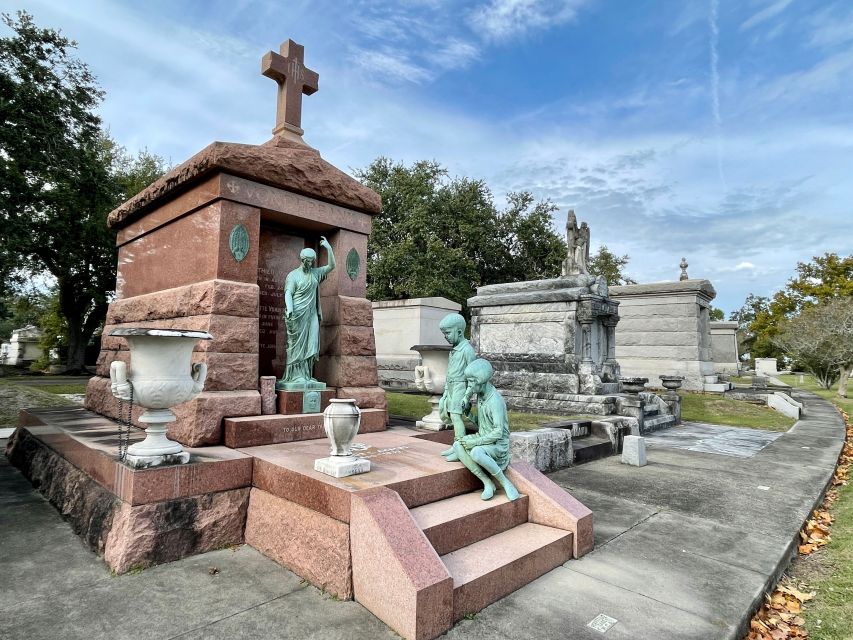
162 376
341 420
633 385
430 376
671 383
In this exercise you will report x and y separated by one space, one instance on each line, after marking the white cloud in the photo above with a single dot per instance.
741 266
505 19
765 14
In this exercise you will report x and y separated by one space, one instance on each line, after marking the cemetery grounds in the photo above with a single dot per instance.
823 577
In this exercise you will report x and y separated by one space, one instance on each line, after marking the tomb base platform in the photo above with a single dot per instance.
411 540
134 518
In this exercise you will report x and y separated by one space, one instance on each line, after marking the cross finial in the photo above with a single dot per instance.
293 78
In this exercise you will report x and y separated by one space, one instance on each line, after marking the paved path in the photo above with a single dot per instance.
684 548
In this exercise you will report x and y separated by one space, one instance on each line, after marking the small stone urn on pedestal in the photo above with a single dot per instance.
341 420
430 376
162 376
633 385
672 384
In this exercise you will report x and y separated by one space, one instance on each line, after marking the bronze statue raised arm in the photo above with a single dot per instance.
302 317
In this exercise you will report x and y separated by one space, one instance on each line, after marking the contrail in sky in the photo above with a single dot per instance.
715 86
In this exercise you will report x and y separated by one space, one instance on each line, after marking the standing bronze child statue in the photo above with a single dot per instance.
486 453
302 317
452 403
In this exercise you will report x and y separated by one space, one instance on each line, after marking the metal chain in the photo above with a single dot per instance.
124 424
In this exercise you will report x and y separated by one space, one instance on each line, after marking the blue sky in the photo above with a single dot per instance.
719 130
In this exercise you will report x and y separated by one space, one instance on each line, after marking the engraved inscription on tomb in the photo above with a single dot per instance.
278 255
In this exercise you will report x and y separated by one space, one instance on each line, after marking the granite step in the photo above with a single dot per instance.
591 448
491 569
658 422
460 521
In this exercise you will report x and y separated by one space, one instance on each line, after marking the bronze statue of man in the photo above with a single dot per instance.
302 317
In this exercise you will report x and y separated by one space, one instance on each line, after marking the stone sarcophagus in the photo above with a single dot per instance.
550 341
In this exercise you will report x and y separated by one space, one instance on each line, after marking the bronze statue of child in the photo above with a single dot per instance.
486 453
452 403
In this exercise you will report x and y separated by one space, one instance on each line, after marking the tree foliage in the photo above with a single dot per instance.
606 263
820 339
60 175
439 236
826 278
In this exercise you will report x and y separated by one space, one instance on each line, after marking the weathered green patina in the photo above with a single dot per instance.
486 453
453 400
302 317
353 264
238 242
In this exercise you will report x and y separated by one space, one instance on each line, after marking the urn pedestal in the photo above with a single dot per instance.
431 376
341 420
162 376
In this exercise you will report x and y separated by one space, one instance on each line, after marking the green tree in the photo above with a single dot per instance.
826 278
606 263
60 176
21 308
820 339
439 236
715 314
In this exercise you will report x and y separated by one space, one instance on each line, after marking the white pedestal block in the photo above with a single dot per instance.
634 451
342 466
143 462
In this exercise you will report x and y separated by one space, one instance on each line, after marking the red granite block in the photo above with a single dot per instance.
347 340
225 371
396 573
347 371
346 310
148 534
365 397
217 297
308 543
412 467
553 506
463 520
290 402
373 420
253 431
199 421
231 334
491 569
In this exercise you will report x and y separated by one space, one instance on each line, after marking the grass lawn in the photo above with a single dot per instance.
411 405
829 571
703 407
15 395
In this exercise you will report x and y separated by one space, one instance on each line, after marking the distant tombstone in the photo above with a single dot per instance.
549 339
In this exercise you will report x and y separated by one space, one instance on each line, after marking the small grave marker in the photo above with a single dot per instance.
602 623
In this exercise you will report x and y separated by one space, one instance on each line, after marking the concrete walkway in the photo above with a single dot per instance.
685 548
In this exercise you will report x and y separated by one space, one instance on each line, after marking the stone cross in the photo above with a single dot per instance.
293 78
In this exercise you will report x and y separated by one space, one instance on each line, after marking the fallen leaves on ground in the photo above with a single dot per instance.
778 618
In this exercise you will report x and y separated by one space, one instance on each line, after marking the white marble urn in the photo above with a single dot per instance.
341 420
162 376
431 376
